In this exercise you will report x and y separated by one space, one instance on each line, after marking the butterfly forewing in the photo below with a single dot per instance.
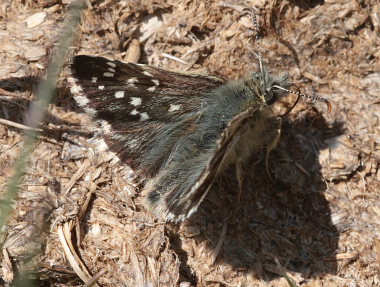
141 109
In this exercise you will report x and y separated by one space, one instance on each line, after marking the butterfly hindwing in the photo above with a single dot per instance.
190 179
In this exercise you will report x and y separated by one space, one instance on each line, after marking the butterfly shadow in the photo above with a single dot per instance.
280 226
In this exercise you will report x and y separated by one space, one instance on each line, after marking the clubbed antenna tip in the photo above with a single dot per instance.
313 98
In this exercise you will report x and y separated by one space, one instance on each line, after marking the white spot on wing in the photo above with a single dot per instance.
156 82
106 127
144 117
119 94
81 100
107 74
75 89
113 65
135 101
132 80
146 73
174 108
71 80
111 70
134 112
101 87
90 111
94 79
151 89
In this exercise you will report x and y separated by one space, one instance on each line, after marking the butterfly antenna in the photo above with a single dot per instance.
313 98
257 40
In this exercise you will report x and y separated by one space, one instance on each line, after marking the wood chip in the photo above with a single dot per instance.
35 53
35 20
133 52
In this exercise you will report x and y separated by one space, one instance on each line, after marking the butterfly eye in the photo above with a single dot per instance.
270 96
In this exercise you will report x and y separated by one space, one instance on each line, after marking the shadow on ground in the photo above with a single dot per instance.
288 221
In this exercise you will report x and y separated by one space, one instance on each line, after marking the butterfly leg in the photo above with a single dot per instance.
272 145
239 175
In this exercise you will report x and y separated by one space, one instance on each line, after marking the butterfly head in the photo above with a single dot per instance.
265 86
269 89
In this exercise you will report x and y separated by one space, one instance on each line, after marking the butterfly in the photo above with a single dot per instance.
178 130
